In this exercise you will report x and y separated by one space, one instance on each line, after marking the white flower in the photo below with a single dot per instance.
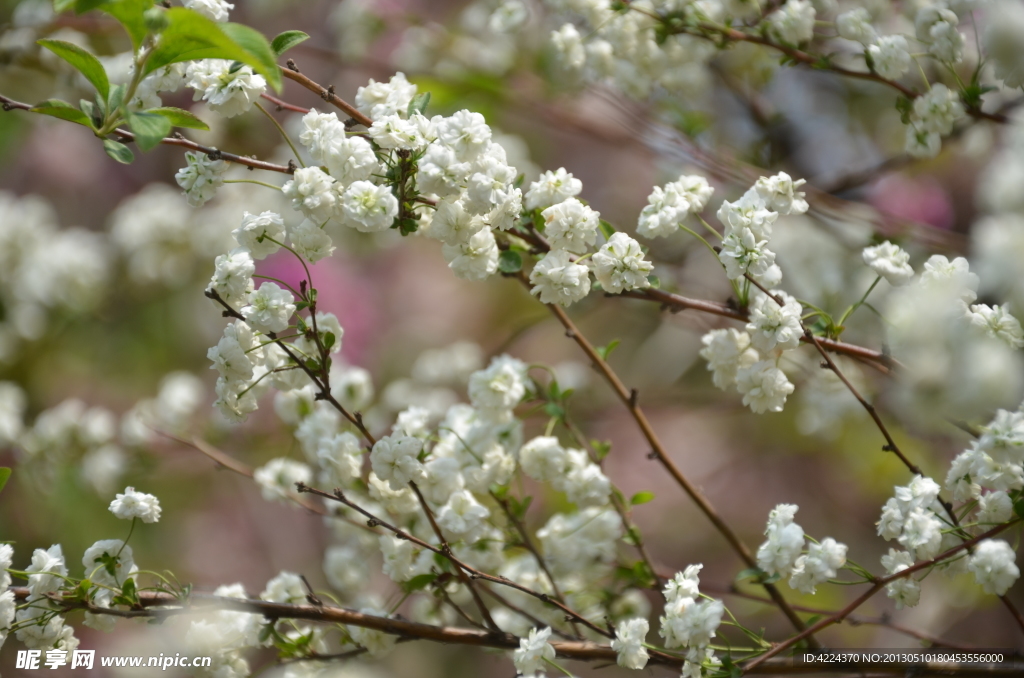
508 16
350 159
235 400
452 224
779 193
993 566
727 350
939 270
684 585
211 9
353 388
475 259
570 225
259 232
440 172
534 652
552 188
936 27
668 206
443 478
201 177
320 131
123 564
856 25
772 326
313 193
286 587
46 570
778 554
377 643
764 386
495 391
620 265
399 557
585 484
690 623
231 357
751 211
367 207
743 253
889 261
228 92
890 57
906 591
232 276
628 644
6 562
557 280
463 515
490 185
310 242
466 133
544 459
394 459
277 478
819 565
998 323
568 45
1002 41
380 99
937 109
793 23
270 308
394 132
994 508
132 504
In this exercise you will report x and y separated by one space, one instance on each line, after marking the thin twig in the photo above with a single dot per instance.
326 93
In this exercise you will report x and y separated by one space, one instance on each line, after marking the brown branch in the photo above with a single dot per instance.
630 400
875 588
325 93
339 496
160 605
446 550
284 105
175 140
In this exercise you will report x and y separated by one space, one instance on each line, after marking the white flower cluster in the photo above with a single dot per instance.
228 88
668 206
749 360
932 117
44 268
570 471
782 552
691 620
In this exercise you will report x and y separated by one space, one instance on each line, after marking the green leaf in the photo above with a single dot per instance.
116 97
510 262
63 5
607 230
605 351
262 56
602 448
419 103
149 129
654 281
419 582
285 41
118 151
129 13
84 63
329 340
191 36
180 117
641 498
519 508
554 410
754 573
63 110
5 475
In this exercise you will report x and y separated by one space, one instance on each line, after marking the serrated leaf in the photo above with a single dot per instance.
129 13
190 36
605 351
419 104
285 41
5 475
641 498
85 63
180 117
510 262
63 110
149 129
118 151
607 230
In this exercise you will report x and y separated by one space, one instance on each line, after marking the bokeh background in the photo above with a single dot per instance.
121 318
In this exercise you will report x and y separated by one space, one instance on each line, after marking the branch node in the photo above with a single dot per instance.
291 66
888 448
215 154
633 396
291 166
653 454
